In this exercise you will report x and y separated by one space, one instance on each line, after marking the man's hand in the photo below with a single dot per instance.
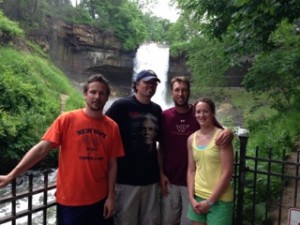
108 208
225 137
34 155
5 180
164 182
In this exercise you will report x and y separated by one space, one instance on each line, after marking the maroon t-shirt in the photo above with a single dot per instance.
176 128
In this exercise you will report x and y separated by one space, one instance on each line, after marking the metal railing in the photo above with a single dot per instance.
255 199
15 196
265 187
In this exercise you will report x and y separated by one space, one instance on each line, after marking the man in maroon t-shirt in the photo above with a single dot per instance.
178 123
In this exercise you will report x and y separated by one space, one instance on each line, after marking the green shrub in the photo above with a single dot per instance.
30 100
9 28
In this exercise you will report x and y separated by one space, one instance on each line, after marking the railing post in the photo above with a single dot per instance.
241 178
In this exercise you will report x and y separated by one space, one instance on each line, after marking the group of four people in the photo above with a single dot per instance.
111 164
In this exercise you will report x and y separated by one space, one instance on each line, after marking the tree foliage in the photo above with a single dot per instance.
277 72
26 107
178 37
126 19
267 32
207 62
29 101
157 28
128 25
245 20
29 13
8 29
123 17
30 96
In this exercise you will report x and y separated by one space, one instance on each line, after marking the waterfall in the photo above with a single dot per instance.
155 57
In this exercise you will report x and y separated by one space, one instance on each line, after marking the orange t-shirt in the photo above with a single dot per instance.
86 145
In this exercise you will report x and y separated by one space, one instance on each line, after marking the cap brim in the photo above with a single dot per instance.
151 78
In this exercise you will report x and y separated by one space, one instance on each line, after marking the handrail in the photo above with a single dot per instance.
29 193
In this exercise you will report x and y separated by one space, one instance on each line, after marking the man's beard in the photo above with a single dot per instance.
184 104
98 107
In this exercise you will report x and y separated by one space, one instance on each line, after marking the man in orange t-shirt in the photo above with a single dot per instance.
89 144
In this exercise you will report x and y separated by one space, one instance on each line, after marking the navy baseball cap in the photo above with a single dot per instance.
146 75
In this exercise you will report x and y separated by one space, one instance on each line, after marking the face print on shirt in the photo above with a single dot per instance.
144 128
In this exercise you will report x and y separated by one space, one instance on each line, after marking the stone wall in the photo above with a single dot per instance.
80 50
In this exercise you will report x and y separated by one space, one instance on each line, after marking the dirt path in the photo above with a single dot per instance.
63 99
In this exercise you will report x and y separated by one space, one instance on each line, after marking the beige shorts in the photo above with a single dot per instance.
174 206
137 205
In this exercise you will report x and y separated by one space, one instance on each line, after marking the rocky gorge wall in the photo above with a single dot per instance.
80 50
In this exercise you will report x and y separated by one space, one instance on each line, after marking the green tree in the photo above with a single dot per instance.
156 27
178 36
207 62
30 13
249 22
277 72
122 17
178 32
8 29
128 25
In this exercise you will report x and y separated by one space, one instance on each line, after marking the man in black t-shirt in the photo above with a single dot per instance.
139 121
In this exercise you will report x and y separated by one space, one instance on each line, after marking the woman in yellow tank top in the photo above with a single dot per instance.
209 170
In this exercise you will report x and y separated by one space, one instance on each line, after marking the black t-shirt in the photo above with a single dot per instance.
140 127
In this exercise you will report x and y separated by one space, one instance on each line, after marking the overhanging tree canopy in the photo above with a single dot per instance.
244 20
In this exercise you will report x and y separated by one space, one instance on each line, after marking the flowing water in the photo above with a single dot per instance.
22 183
152 56
155 57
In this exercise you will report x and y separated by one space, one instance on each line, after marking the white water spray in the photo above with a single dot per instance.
155 57
37 199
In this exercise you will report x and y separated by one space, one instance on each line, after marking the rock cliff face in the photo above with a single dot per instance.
80 50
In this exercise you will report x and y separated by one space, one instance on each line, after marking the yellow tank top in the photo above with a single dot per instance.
208 169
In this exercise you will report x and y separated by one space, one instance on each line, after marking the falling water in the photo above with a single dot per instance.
155 57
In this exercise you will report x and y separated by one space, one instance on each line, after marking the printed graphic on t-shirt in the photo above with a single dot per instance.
182 129
143 132
92 141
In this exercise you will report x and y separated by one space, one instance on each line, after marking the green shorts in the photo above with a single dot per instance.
219 213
